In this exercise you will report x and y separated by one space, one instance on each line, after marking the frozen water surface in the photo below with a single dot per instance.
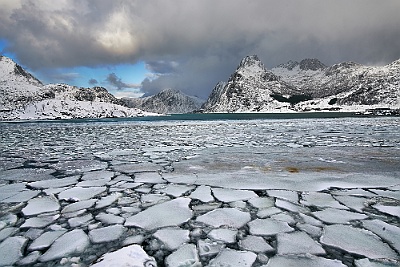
201 193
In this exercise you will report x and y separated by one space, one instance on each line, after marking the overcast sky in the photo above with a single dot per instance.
146 46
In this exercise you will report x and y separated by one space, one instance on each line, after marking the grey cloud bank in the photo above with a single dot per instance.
194 44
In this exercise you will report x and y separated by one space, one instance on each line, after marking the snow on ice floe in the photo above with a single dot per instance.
45 240
202 193
172 238
230 257
229 217
170 213
320 200
41 205
11 250
186 255
230 195
175 190
70 244
302 261
108 219
227 236
387 232
357 241
391 210
81 193
39 222
106 234
22 196
149 178
330 215
268 227
27 175
130 256
79 166
255 244
80 205
375 263
54 183
298 243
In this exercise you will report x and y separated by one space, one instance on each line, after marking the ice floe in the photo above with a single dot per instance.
267 227
357 241
130 256
302 261
230 257
331 215
298 243
172 238
170 213
106 234
224 235
230 195
41 205
186 255
11 250
229 217
81 193
255 244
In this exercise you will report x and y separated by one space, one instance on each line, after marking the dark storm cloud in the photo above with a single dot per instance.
204 40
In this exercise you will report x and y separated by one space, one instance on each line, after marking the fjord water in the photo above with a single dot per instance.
71 191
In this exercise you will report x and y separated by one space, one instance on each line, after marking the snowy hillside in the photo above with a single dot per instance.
305 86
24 97
168 101
250 88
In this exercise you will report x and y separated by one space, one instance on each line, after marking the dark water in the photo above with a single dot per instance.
211 117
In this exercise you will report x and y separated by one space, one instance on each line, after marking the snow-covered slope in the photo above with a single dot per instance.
307 85
168 101
250 88
24 97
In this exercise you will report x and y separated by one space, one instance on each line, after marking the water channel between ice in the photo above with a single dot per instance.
263 192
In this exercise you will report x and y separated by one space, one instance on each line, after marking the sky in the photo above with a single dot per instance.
139 47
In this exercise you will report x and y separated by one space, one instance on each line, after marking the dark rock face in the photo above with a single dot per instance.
311 64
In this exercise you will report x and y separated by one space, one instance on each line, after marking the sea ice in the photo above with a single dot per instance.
302 261
202 193
45 240
230 195
21 196
108 200
352 202
176 190
170 213
267 227
370 263
6 232
386 231
224 235
106 218
69 244
41 205
262 202
79 221
106 234
264 213
330 215
11 250
298 243
320 200
290 206
391 210
208 247
35 174
229 217
357 241
284 217
148 200
310 229
230 257
81 193
30 259
256 244
39 222
78 166
90 183
80 205
130 256
95 175
149 178
54 183
185 256
172 238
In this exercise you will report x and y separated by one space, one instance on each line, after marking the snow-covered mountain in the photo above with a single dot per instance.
307 85
22 96
168 101
249 89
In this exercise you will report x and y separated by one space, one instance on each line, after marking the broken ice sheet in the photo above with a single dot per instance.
230 257
81 193
172 238
45 240
130 256
330 215
186 255
224 235
267 227
41 205
386 231
320 200
202 193
230 195
176 190
170 213
298 243
256 244
106 234
302 261
357 241
11 250
391 210
229 217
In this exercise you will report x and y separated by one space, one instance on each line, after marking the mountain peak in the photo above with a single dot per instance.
290 65
312 64
251 61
